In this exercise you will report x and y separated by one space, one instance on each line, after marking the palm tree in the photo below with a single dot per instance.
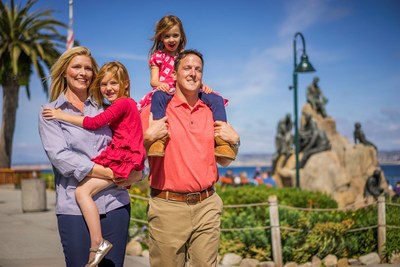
27 40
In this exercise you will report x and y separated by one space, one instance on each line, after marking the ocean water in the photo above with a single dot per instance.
391 172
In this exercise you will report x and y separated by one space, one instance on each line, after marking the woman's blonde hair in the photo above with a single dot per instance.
163 25
58 70
117 71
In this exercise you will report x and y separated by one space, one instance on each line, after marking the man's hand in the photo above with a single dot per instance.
134 176
226 132
157 130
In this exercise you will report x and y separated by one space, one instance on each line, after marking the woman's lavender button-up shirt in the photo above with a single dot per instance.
69 149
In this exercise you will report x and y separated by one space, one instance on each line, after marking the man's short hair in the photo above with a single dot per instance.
184 53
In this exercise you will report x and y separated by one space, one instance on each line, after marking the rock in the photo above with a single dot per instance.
146 253
267 264
330 261
340 172
354 262
315 261
231 259
395 258
290 264
307 264
249 263
134 248
371 258
343 262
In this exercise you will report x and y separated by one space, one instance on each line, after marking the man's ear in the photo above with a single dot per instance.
174 75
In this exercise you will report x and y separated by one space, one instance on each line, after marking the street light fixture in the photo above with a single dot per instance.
302 67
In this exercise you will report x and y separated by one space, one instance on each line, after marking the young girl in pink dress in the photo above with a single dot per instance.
124 154
169 40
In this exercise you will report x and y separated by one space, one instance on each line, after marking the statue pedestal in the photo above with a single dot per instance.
340 172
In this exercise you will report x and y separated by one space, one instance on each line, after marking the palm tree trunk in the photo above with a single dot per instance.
10 105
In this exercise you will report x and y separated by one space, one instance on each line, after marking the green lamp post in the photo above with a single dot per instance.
303 66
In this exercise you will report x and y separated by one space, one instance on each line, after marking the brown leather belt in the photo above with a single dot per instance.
189 198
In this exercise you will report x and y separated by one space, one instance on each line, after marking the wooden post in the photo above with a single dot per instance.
275 231
381 225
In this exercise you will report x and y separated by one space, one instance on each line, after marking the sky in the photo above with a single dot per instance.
248 51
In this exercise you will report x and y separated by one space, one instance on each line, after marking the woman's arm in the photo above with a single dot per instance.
69 158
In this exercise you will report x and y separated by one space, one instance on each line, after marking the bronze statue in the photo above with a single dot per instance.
312 139
283 141
373 185
316 98
359 136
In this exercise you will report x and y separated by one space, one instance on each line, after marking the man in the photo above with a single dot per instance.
184 209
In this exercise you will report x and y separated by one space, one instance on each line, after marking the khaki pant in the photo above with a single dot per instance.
180 232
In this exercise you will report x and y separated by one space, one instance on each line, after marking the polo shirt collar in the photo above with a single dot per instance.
176 102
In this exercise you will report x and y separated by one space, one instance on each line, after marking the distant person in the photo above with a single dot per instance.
396 190
243 178
228 178
267 179
257 172
229 173
170 39
69 149
123 155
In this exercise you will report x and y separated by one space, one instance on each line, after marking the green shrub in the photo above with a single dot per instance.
49 179
305 232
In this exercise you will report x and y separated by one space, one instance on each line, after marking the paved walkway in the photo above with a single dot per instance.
31 238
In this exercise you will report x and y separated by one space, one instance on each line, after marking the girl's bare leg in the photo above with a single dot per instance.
84 196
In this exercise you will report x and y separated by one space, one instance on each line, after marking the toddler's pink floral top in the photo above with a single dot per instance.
165 64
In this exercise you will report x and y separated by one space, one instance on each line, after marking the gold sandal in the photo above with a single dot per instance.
104 247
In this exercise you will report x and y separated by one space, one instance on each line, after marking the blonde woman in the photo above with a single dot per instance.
70 149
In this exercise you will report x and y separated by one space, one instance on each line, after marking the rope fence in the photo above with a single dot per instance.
276 228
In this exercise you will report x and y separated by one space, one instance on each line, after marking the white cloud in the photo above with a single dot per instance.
302 15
